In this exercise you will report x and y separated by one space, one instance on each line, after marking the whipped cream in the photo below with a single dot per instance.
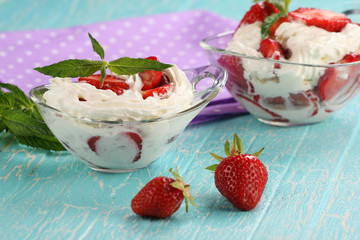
66 96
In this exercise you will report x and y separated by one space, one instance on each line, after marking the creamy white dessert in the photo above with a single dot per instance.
123 146
278 86
85 100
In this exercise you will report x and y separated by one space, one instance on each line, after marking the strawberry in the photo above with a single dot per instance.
271 49
325 19
332 81
276 24
241 178
162 197
92 143
128 141
235 70
114 83
258 12
150 78
160 91
136 138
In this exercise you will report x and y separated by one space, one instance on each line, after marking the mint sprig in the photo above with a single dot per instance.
20 116
83 68
283 6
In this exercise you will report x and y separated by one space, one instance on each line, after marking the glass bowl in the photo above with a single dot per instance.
283 93
123 146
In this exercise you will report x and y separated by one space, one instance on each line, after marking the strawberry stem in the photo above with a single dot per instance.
185 188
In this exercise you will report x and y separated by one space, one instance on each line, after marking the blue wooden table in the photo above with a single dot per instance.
313 191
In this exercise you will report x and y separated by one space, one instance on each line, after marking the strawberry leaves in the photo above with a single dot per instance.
84 68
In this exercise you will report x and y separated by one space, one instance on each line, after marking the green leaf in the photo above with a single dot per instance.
103 76
212 167
97 47
16 94
20 123
2 126
130 66
217 157
257 154
227 148
72 68
238 143
268 22
38 142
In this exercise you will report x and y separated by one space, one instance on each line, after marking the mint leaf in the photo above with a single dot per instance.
17 95
20 116
38 142
72 68
130 66
97 47
103 75
268 22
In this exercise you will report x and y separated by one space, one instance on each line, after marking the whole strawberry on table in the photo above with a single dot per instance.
162 197
240 178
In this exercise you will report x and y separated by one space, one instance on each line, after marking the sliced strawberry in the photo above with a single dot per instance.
235 70
258 12
160 91
114 83
325 19
136 138
272 49
331 82
150 78
275 25
92 143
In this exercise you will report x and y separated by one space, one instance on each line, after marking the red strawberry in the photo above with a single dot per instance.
241 178
275 25
258 12
160 91
114 83
92 143
235 70
136 138
150 78
325 19
271 49
331 82
162 197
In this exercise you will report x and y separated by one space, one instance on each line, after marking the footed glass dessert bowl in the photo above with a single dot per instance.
123 146
280 92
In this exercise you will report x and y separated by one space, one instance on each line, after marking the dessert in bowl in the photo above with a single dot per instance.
301 71
129 131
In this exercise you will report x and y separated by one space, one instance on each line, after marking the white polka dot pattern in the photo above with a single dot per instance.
173 38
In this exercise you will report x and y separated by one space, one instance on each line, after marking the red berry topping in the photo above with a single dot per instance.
114 83
161 91
92 143
325 19
241 178
331 82
162 197
150 78
258 12
275 25
136 138
271 49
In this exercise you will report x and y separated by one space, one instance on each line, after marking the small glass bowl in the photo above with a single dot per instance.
123 146
283 93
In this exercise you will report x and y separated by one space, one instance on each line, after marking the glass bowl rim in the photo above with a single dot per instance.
204 43
215 89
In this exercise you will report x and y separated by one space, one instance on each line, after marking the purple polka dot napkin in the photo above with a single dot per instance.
173 38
